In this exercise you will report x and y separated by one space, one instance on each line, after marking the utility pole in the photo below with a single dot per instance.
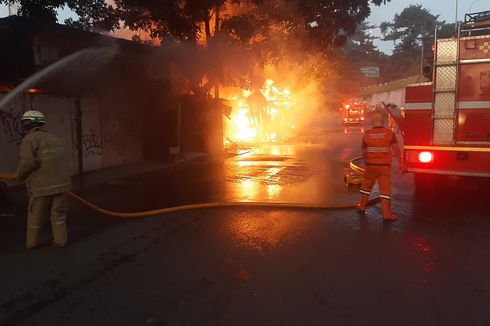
456 17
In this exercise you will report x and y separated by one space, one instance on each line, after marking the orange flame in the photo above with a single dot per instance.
261 115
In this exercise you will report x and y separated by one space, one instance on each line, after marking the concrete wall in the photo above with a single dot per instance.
91 138
111 132
396 96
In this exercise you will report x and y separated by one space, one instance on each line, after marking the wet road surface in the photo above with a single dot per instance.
251 266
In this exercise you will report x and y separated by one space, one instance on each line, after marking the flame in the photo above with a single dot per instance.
261 115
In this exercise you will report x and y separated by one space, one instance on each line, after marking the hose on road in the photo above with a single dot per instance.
356 175
161 211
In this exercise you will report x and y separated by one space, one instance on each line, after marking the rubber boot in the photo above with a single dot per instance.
362 203
387 214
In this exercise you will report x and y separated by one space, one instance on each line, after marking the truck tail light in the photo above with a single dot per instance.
426 157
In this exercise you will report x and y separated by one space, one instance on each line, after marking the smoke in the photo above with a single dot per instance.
276 51
287 54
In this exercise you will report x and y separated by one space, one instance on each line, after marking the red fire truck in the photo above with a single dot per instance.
446 124
352 113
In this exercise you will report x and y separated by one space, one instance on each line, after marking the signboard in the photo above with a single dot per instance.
372 72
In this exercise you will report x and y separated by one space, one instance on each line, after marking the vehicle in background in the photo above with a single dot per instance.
353 113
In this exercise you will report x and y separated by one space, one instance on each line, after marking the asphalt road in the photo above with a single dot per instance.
253 266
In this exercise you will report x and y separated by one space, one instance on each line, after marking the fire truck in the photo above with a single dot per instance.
446 123
352 113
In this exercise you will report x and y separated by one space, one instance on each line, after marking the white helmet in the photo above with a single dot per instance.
378 115
31 119
34 116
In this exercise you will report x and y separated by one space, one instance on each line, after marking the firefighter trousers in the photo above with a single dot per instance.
40 208
381 173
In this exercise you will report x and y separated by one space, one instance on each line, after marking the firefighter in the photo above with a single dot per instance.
42 166
378 146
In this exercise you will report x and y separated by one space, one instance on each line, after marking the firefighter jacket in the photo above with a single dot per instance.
42 164
377 143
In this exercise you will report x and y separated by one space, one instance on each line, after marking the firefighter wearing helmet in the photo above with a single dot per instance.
378 146
43 167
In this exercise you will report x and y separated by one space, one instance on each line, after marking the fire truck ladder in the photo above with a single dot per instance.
445 104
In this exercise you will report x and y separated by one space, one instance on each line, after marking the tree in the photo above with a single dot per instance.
413 33
412 28
332 22
360 51
363 40
252 34
176 19
92 14
325 22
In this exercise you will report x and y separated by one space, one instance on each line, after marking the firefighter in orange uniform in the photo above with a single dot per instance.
378 146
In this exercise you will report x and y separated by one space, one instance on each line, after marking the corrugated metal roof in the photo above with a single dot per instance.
395 84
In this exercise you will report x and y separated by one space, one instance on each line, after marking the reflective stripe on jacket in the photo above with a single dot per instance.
42 164
377 142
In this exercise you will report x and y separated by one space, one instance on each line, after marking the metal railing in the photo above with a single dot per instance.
476 24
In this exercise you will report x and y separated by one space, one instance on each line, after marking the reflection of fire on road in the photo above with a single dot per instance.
261 115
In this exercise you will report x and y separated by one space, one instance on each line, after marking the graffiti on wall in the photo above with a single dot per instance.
91 144
114 139
11 126
120 141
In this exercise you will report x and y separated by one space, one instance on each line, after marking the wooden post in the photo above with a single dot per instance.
216 30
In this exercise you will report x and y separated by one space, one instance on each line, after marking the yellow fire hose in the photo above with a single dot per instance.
355 177
161 211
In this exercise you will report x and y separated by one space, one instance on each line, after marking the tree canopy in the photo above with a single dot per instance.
299 35
412 30
324 22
